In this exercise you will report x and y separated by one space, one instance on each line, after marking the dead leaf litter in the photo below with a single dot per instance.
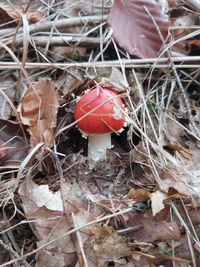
137 206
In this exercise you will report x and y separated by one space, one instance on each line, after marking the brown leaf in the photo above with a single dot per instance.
107 245
70 82
134 29
53 259
61 249
41 205
194 215
197 247
38 109
173 178
159 257
8 14
4 150
7 86
149 230
173 132
183 26
82 7
46 209
13 148
183 151
195 42
139 195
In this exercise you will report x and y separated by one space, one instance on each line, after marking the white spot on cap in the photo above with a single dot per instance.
117 114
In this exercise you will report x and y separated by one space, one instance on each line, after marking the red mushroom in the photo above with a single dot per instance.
102 112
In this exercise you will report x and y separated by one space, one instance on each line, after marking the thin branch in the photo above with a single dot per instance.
63 41
127 63
195 4
59 24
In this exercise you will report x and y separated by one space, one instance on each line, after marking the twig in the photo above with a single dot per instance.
166 257
195 4
127 63
63 41
14 253
59 24
80 243
178 80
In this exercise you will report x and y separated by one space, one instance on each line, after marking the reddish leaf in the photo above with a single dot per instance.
134 28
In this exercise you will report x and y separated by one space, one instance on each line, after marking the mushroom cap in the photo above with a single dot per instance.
108 114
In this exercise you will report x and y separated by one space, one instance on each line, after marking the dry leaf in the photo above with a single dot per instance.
69 82
173 131
195 42
39 205
173 178
149 230
8 14
183 151
4 150
61 249
183 27
161 258
38 109
66 52
41 196
44 219
13 147
5 108
139 195
194 215
74 9
194 186
117 80
184 23
134 29
157 199
46 209
107 246
53 259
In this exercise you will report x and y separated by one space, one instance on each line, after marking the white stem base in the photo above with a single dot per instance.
98 145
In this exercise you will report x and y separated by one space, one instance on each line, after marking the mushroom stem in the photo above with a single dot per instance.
98 145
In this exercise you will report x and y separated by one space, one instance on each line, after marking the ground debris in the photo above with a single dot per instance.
137 207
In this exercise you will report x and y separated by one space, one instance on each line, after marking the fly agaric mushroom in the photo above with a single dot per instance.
99 113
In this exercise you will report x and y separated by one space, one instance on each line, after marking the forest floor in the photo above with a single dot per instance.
138 207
